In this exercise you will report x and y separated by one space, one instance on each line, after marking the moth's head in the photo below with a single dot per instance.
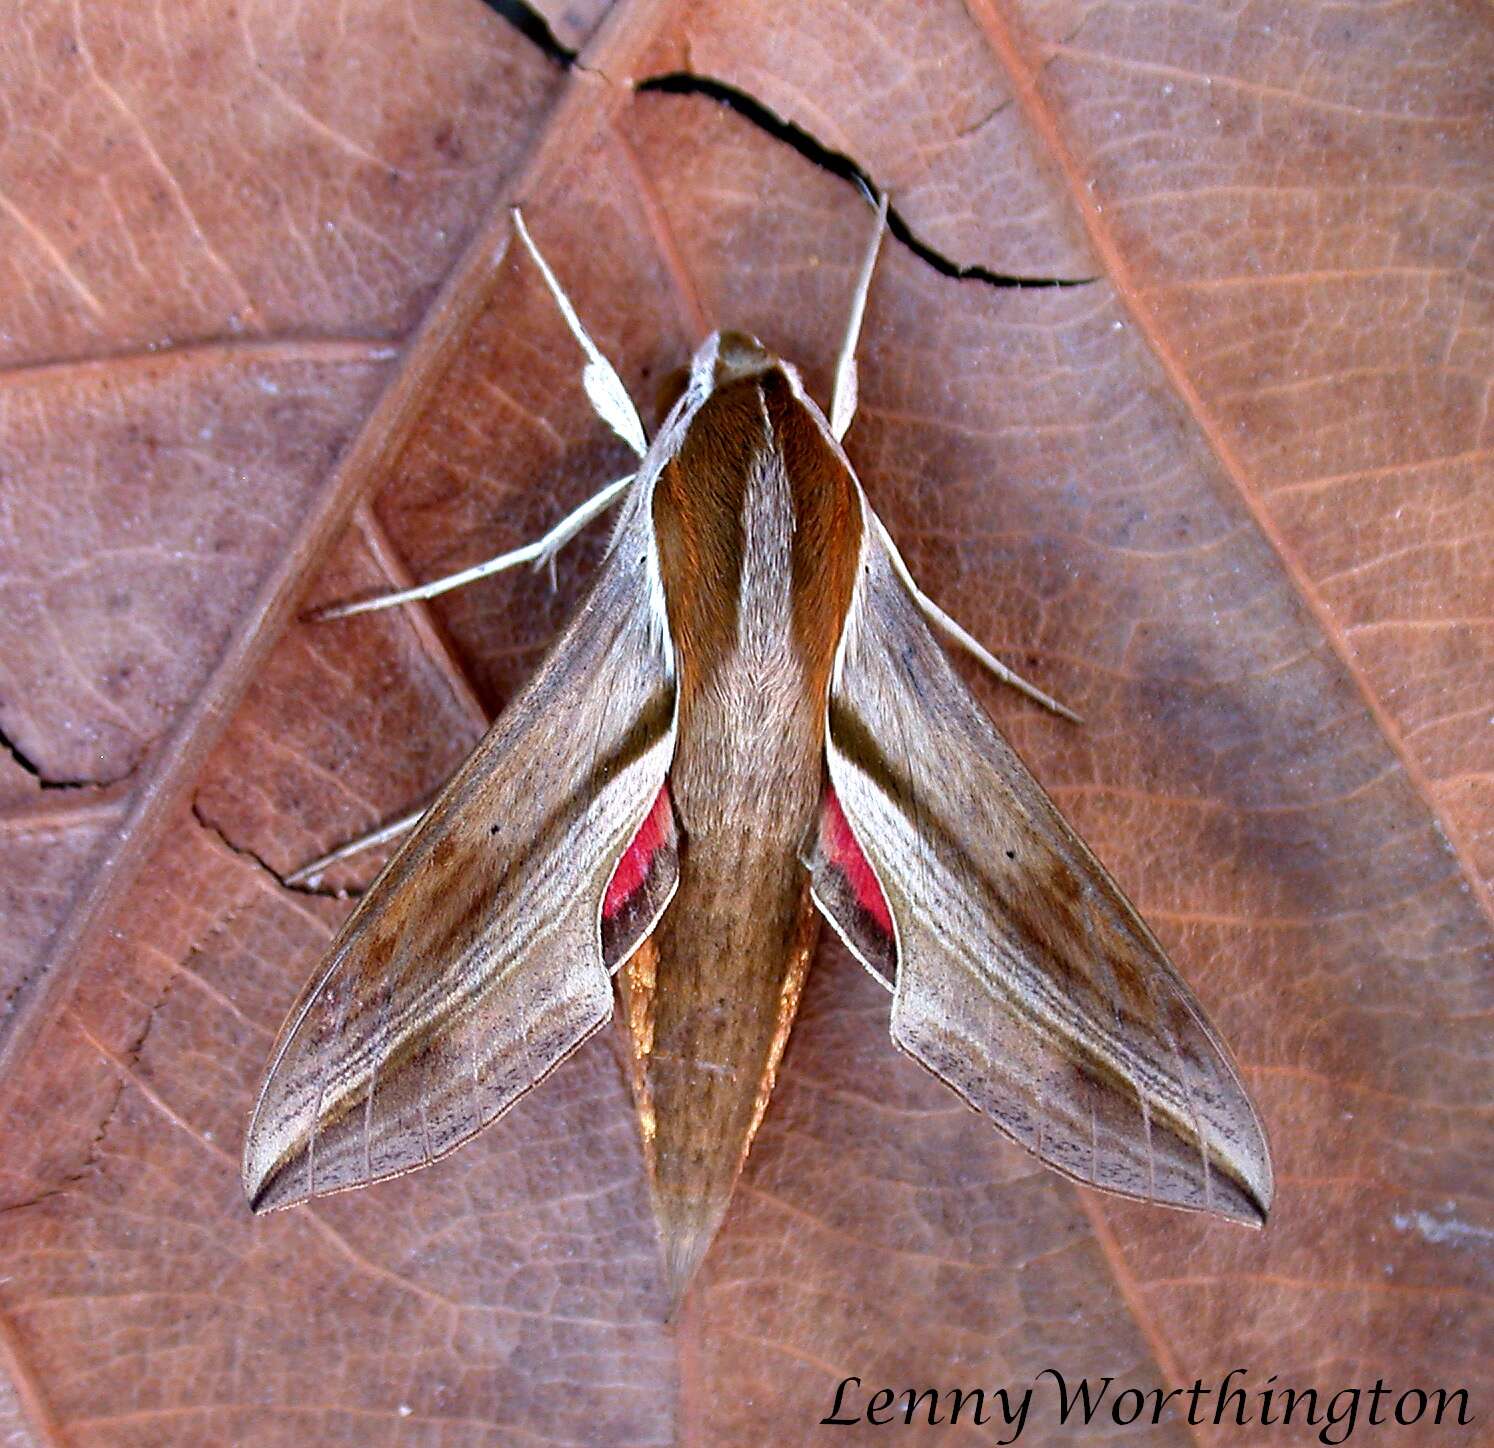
723 357
726 356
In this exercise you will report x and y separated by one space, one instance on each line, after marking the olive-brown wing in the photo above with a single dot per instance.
1024 978
475 963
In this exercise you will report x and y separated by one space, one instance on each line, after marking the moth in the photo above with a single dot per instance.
748 724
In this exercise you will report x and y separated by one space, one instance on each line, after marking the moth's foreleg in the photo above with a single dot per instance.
843 398
310 874
539 553
603 386
967 641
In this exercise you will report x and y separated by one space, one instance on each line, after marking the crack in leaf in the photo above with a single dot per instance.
837 163
89 1159
46 781
534 28
325 892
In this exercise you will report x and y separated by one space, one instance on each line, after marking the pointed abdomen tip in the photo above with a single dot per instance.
686 1231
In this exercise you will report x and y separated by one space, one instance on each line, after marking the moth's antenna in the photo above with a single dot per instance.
603 385
843 399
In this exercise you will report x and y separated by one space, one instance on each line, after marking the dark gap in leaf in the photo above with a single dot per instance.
245 853
534 28
26 764
839 164
10 747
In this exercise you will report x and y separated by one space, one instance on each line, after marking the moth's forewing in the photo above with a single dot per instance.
475 962
1024 978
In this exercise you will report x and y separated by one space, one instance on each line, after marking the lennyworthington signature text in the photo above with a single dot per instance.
1083 1401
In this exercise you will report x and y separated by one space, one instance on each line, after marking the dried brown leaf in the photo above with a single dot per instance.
265 344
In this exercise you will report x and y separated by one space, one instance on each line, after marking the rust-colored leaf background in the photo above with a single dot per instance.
265 342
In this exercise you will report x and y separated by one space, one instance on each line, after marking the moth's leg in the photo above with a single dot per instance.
947 626
310 874
540 552
603 385
843 398
967 641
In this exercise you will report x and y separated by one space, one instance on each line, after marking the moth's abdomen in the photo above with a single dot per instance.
709 1000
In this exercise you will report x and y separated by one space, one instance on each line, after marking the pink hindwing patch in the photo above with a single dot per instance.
839 847
656 831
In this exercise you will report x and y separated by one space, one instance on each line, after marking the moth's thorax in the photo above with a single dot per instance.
758 522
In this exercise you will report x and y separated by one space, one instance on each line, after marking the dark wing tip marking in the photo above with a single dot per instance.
272 1190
